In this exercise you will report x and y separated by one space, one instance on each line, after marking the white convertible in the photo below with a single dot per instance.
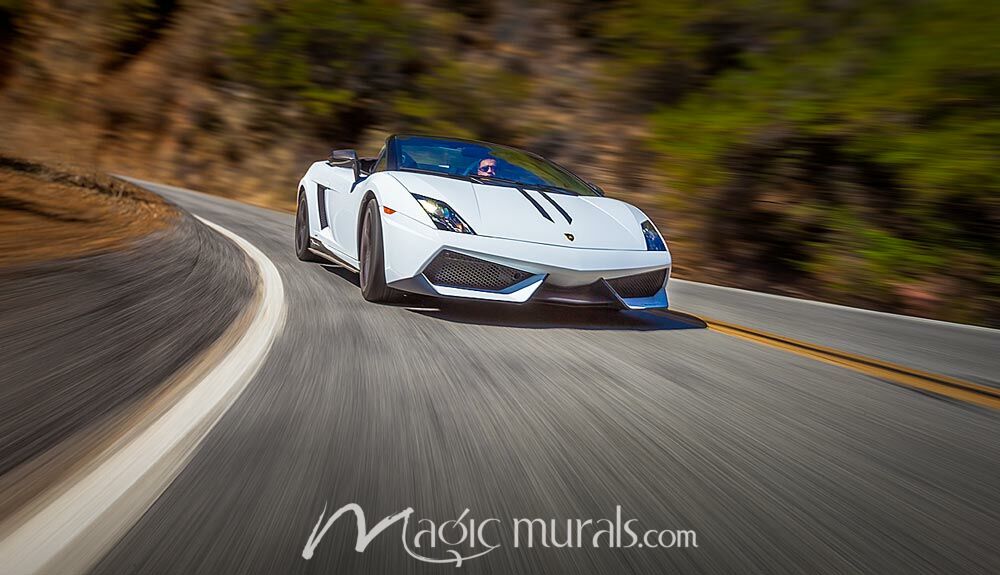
466 219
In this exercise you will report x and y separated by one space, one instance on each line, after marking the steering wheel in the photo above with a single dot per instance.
472 169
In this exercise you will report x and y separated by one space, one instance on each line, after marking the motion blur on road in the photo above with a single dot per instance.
180 394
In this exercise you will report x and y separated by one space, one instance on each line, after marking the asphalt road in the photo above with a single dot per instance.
779 463
83 339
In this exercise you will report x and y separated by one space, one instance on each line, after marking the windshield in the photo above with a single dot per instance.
486 163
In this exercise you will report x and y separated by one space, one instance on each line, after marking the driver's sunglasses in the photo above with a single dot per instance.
489 168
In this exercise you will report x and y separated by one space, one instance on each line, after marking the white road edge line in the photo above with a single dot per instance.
74 531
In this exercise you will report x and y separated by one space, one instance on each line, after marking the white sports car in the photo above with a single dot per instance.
465 219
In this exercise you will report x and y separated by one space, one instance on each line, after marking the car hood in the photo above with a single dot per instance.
530 215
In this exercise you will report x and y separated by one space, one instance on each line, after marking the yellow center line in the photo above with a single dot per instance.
931 382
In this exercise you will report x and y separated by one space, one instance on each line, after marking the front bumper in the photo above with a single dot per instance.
552 274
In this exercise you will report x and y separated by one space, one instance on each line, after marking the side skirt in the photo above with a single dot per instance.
319 249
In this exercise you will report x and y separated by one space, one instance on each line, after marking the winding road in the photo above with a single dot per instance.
779 462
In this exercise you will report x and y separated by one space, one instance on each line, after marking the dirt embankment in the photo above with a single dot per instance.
49 214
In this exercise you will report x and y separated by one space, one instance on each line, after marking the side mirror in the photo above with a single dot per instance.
346 158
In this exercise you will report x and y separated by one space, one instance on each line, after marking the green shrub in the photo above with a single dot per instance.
882 117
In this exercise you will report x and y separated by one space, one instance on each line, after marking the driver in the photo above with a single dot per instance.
487 167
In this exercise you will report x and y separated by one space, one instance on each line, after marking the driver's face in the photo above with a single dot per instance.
487 167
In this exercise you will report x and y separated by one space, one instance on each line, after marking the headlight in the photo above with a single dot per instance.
654 242
443 216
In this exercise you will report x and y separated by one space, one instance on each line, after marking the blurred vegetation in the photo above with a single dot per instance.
340 60
841 149
357 64
10 12
854 142
131 26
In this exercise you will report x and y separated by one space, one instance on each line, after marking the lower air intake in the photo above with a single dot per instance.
451 269
639 285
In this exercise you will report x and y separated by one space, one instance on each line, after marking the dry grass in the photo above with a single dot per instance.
49 214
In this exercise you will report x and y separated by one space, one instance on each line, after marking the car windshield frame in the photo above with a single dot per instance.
521 163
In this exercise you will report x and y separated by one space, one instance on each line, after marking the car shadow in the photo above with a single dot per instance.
534 316
344 273
351 277
539 316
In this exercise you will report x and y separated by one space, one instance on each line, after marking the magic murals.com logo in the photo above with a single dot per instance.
465 538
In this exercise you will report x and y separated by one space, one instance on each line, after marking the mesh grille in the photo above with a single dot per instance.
640 285
457 270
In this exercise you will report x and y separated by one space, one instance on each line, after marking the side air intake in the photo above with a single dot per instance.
452 269
639 285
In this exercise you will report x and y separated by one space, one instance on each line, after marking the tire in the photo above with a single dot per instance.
371 259
302 232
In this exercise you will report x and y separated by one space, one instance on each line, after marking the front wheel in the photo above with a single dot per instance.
372 257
